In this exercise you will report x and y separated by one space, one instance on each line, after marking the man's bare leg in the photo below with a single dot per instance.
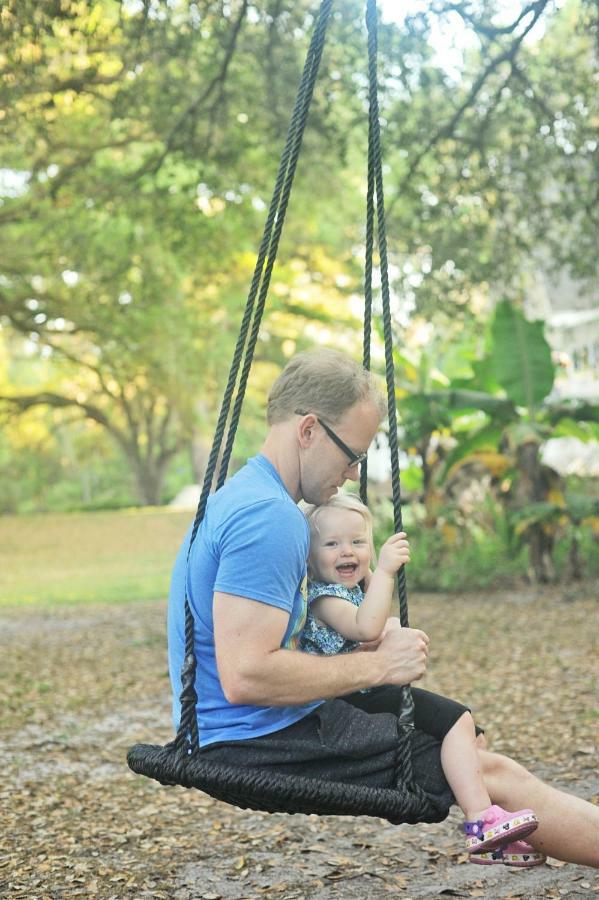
481 741
568 826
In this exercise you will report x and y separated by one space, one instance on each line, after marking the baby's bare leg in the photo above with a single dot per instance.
462 767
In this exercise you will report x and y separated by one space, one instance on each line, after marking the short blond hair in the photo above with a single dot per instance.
349 502
325 382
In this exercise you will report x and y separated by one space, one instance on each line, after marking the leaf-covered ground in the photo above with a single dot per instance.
80 684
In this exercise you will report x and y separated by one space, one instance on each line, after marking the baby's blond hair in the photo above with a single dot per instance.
342 501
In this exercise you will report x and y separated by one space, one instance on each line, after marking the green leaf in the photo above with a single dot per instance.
536 514
484 378
411 478
574 410
581 506
570 428
521 357
460 400
486 439
405 367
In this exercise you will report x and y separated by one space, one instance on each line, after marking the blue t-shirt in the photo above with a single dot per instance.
252 542
319 638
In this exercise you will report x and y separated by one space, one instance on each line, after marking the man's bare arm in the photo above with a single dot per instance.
254 670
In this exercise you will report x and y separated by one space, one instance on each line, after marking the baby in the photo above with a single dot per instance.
341 615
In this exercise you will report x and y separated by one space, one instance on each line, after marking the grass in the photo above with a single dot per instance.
116 556
104 557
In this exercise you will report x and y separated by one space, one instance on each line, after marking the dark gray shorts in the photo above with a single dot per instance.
353 740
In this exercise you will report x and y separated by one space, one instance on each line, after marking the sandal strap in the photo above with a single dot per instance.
474 829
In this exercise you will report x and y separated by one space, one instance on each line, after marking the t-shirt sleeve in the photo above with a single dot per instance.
262 552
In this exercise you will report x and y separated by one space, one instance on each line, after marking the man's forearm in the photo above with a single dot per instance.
290 677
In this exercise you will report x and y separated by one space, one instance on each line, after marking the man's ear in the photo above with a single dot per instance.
305 430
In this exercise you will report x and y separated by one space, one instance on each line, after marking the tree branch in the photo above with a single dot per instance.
58 401
191 111
448 129
491 31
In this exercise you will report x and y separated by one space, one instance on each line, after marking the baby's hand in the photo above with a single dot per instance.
394 553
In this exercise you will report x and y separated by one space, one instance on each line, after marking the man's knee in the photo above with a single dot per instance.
481 741
501 769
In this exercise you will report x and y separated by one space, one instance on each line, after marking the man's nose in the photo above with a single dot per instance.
352 473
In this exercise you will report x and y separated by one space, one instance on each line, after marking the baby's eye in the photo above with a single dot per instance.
331 544
359 541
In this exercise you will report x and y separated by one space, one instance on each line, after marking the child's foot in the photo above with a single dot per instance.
518 854
497 827
522 855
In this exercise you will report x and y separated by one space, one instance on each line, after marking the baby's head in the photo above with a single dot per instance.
341 540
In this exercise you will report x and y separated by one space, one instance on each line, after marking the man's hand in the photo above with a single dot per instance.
404 653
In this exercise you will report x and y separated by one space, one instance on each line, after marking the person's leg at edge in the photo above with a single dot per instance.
481 741
568 826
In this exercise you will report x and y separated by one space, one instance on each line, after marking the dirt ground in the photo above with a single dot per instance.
79 685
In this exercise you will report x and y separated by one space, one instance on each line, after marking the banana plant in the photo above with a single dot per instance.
560 513
497 412
518 370
429 407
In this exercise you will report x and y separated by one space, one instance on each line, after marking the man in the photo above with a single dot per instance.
260 700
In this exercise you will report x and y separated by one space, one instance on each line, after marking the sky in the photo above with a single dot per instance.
450 38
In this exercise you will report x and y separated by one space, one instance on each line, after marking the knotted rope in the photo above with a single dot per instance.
187 735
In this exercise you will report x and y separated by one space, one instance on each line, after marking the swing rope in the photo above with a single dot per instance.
181 761
187 734
375 185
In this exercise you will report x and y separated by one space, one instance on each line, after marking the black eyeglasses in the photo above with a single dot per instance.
354 458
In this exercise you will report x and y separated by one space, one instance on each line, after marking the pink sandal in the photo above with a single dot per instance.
498 827
519 854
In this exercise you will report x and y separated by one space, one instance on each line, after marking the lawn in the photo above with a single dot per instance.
106 557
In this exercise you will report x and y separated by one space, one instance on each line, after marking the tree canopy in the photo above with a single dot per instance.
138 147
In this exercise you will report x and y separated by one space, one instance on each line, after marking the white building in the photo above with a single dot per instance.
571 316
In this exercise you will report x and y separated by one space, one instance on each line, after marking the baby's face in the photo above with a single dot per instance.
340 549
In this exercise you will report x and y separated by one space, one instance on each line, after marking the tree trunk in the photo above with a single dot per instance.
429 496
149 477
532 489
199 451
575 563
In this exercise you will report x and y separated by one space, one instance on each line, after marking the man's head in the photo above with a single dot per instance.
324 381
329 408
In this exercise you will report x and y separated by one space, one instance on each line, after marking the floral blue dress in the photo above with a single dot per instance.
320 639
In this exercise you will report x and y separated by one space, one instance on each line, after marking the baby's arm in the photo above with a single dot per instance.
366 622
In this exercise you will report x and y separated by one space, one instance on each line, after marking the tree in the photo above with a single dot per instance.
493 170
130 233
139 144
